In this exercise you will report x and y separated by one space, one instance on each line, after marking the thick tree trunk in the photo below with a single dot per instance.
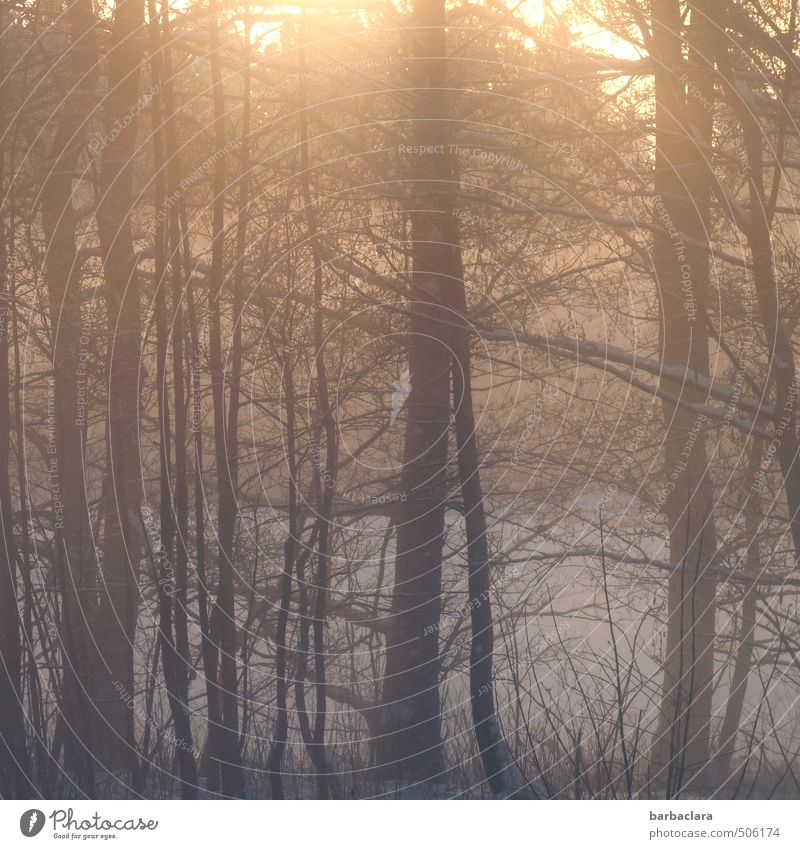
410 746
124 533
782 370
682 204
76 563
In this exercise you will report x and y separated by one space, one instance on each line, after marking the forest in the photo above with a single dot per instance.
398 399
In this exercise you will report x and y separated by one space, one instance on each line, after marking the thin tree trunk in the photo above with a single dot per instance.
326 475
280 736
731 721
181 270
208 650
15 781
43 758
169 578
223 620
180 277
502 772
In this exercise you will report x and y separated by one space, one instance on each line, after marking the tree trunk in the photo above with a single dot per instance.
502 772
15 780
326 475
731 721
124 533
170 580
280 737
223 619
682 207
410 746
76 563
782 368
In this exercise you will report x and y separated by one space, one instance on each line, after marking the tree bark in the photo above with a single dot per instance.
782 370
410 746
124 532
280 737
76 561
326 475
502 772
170 580
223 618
682 268
732 718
